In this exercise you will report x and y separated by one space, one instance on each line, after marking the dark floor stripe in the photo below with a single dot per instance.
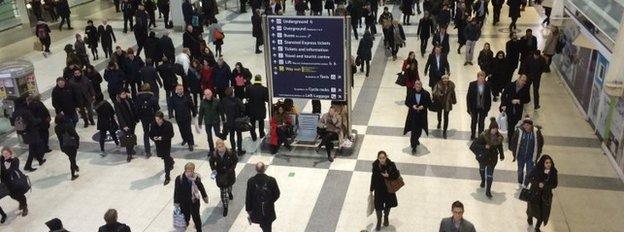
329 202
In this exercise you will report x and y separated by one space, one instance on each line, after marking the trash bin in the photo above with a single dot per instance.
17 77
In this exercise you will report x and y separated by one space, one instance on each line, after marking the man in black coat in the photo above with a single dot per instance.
513 98
262 193
65 100
140 28
533 67
127 119
62 8
166 46
191 41
161 131
497 5
424 32
479 101
257 97
128 13
187 12
182 106
528 44
40 111
151 48
437 65
441 38
28 127
146 105
234 109
86 96
114 78
417 101
169 73
107 37
256 25
149 75
133 66
163 8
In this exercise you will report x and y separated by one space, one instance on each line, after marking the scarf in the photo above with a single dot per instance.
195 193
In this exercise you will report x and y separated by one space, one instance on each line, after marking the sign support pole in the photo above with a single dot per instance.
267 66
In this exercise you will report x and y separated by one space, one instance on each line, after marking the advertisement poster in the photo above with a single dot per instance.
617 119
603 112
307 57
566 61
594 103
584 76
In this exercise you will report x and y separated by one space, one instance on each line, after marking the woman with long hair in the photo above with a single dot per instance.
68 141
490 147
383 169
9 171
543 180
444 95
223 162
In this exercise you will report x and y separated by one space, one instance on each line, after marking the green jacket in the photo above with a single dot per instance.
209 111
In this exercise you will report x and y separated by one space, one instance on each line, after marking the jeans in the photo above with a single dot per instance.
470 45
145 123
522 163
477 118
103 138
209 129
487 174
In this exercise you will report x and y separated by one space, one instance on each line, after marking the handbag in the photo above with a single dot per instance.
358 61
526 195
69 141
37 46
243 123
4 191
394 185
477 149
502 122
178 219
388 51
370 207
401 79
128 140
435 106
20 183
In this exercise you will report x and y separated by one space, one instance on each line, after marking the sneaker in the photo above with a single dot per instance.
166 181
230 196
241 152
24 212
331 159
225 211
74 177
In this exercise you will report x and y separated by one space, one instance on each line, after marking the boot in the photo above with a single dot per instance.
482 178
444 134
386 222
487 189
25 212
530 220
378 227
4 216
225 211
230 196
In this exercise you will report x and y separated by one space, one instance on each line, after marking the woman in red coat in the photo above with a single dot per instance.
281 127
206 77
410 70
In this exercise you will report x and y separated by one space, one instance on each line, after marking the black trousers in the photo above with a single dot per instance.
414 137
21 198
128 18
260 127
446 118
107 47
497 11
63 20
133 87
281 139
35 151
45 41
258 43
266 226
512 120
145 123
547 11
354 26
328 141
71 154
130 149
477 118
45 137
185 132
209 129
168 162
86 112
513 23
367 64
406 19
152 18
536 85
52 13
424 41
165 14
103 138
168 95
192 210
238 143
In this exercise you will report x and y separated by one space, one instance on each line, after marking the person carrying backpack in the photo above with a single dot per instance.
68 141
146 106
27 126
262 192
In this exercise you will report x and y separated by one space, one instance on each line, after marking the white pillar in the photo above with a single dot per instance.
175 14
23 13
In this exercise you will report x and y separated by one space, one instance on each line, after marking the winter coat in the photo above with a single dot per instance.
491 155
445 95
225 167
169 73
41 112
425 28
165 132
182 193
500 74
150 76
378 184
6 174
533 68
512 50
538 142
256 25
261 210
93 37
114 79
207 78
233 108
485 61
65 99
550 46
316 5
257 97
364 48
84 89
152 49
274 125
406 7
514 8
107 36
132 69
210 111
527 46
60 130
539 207
96 80
472 97
436 71
440 39
472 32
183 107
509 94
126 113
221 76
105 116
417 120
146 105
30 134
62 8
166 48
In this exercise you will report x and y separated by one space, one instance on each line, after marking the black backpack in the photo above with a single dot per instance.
145 108
20 124
263 194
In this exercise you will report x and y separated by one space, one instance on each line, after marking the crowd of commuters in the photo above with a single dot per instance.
199 83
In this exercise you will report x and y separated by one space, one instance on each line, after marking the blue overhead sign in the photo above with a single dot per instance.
306 56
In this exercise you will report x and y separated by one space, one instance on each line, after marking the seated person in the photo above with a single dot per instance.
330 129
281 128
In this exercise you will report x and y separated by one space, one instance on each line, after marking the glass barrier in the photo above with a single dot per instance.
604 14
9 16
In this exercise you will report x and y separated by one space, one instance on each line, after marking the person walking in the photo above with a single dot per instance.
514 12
547 5
62 8
40 111
241 78
152 51
441 38
533 67
149 75
497 5
187 193
86 96
406 9
410 71
163 8
193 82
233 108
9 175
394 37
64 100
260 197
484 60
437 65
69 141
223 163
552 46
512 49
383 170
42 31
472 32
81 51
92 38
133 66
169 73
480 8
183 109
528 45
165 44
370 17
28 127
256 24
488 147
209 111
526 146
128 11
94 76
500 75
461 21
364 52
424 32
444 96
222 75
456 222
146 105
161 132
112 225
543 180
513 98
417 101
257 97
114 78
479 102
107 38
106 121
126 116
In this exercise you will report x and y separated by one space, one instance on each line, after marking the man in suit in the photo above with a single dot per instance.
497 5
437 65
528 44
457 221
418 101
441 38
262 193
479 101
533 67
513 98
257 97
424 32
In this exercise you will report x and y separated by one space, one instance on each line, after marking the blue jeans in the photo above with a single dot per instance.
522 163
487 171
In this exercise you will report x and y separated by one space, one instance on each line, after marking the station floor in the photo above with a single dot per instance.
318 195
